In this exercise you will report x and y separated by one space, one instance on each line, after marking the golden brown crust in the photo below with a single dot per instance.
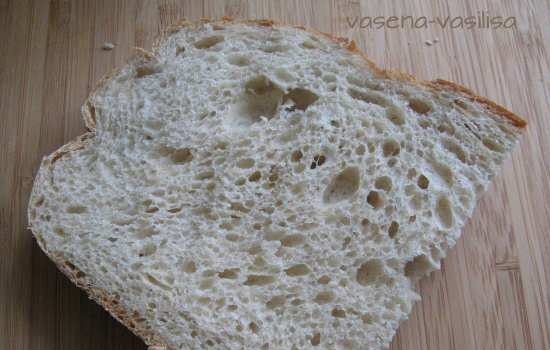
490 105
131 319
71 146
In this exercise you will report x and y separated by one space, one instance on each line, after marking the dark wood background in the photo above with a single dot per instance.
494 288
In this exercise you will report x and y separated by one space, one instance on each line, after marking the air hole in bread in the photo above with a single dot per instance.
255 249
237 206
316 71
276 301
423 182
393 229
309 44
318 160
455 149
229 273
245 163
342 186
420 106
255 176
180 156
369 272
240 181
155 281
375 199
260 99
205 175
444 211
238 60
293 240
59 231
316 339
209 273
302 98
254 327
208 42
174 210
151 210
424 123
284 75
189 266
145 232
383 183
337 312
147 249
298 270
180 49
329 78
324 297
259 280
275 48
369 83
39 201
76 209
369 97
446 127
335 123
206 283
259 261
274 235
395 115
296 156
147 69
390 148
273 175
492 145
416 201
299 168
233 237
444 172
298 188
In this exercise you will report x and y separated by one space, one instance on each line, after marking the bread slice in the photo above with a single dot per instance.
256 186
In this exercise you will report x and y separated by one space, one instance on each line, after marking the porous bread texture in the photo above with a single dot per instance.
262 187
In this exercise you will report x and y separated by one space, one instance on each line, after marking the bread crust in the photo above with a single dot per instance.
109 302
129 318
350 45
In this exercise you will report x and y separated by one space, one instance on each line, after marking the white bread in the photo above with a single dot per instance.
255 186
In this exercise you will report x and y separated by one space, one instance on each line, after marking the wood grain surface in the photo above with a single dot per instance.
493 291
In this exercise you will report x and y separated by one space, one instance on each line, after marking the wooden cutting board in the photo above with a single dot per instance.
493 291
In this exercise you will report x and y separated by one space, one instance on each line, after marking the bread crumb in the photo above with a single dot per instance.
107 46
428 42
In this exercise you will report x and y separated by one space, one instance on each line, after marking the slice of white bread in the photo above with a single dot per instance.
255 186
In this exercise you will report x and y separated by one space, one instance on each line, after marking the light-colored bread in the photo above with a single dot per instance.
255 186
